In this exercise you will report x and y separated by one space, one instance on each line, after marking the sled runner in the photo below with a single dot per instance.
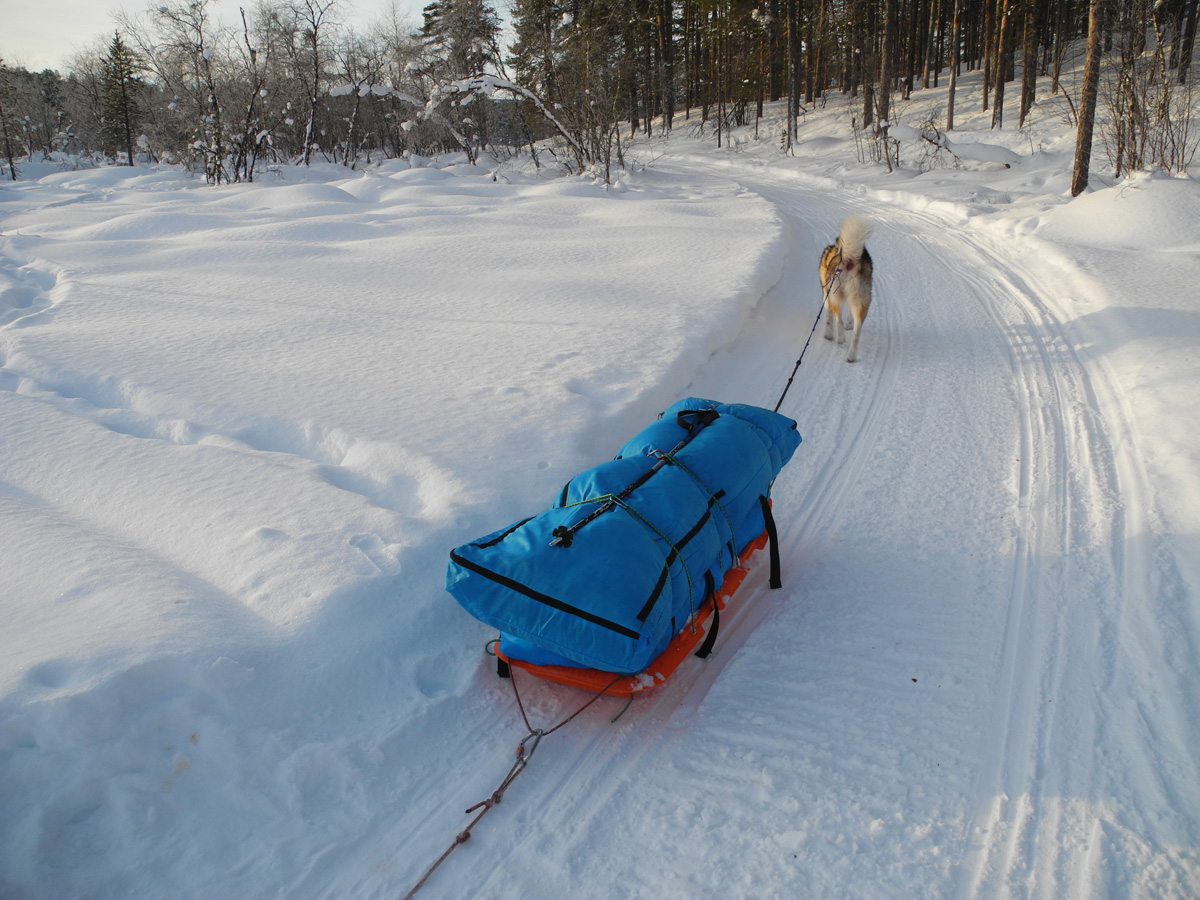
626 573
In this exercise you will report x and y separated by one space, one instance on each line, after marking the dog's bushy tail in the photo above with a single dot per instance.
853 235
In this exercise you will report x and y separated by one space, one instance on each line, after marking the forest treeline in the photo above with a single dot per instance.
289 82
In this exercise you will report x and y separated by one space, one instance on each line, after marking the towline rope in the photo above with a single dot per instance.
829 287
533 737
525 751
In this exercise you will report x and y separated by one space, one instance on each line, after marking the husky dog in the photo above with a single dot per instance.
846 281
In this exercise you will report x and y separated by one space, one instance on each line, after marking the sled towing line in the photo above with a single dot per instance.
626 574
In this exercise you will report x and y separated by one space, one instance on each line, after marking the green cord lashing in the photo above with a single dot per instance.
617 501
678 555
673 460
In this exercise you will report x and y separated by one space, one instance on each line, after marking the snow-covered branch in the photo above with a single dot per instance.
971 150
486 85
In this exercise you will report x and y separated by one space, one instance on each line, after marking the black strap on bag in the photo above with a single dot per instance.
775 580
711 638
691 419
695 419
773 540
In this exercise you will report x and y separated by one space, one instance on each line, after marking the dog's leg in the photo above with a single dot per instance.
858 310
852 353
834 329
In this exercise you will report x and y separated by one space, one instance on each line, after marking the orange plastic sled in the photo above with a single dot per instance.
665 663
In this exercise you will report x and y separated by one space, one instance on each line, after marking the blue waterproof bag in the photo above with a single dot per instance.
630 548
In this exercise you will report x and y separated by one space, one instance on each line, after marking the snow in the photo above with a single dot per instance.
241 428
976 151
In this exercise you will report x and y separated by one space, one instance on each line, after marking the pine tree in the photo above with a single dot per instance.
122 86
6 96
461 41
535 54
463 36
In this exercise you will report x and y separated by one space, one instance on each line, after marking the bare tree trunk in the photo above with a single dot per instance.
313 14
1001 65
910 58
666 60
793 51
810 59
868 47
886 63
933 59
127 120
1189 41
8 148
1061 30
954 61
988 32
719 70
1029 60
821 62
1087 101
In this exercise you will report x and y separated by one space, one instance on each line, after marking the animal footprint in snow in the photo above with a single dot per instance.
381 556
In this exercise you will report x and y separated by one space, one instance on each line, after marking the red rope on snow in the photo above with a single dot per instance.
525 751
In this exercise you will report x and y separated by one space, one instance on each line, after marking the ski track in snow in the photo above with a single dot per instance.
1048 819
1008 799
1051 819
1090 540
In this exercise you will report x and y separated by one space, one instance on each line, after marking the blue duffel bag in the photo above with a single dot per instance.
630 548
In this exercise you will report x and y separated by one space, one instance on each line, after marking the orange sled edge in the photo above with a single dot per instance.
664 665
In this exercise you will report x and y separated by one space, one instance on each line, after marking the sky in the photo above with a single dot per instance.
40 34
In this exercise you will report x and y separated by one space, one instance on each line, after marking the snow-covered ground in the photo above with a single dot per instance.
241 428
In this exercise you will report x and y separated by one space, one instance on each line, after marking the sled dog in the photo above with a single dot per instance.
845 273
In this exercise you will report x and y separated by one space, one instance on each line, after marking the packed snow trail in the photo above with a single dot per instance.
939 727
972 336
239 674
1093 618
